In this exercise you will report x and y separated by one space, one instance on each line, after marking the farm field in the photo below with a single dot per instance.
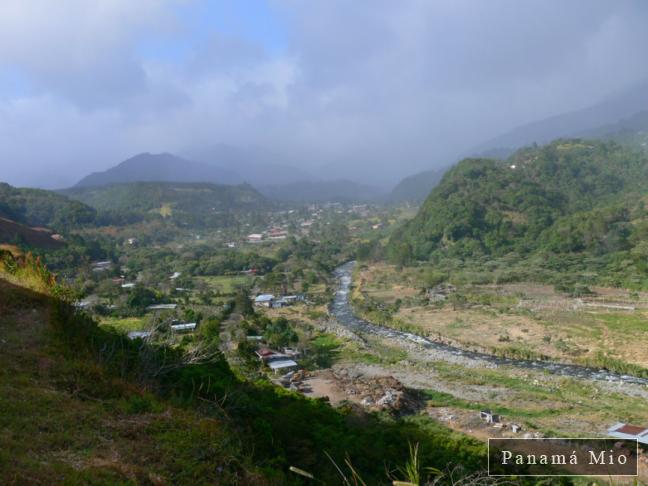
606 328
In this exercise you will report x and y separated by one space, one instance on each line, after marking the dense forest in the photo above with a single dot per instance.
37 207
569 198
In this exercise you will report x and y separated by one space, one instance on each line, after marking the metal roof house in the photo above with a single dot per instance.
186 326
627 431
162 307
264 300
282 364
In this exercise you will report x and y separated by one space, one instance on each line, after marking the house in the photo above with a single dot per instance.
265 353
277 234
282 365
255 238
128 286
264 300
627 431
162 307
101 266
184 327
175 275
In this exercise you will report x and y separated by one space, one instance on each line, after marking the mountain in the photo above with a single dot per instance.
615 107
157 167
308 191
183 202
568 196
416 187
38 207
632 130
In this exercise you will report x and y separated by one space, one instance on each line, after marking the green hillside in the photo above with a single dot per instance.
198 198
37 207
571 197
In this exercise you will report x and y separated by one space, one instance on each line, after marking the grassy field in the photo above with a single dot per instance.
126 324
225 284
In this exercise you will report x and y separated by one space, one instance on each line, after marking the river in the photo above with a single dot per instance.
342 310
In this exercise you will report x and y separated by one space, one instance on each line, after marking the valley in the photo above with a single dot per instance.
506 305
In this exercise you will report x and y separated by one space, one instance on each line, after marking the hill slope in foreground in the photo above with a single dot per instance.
84 405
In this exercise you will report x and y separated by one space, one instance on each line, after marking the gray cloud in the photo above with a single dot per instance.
393 87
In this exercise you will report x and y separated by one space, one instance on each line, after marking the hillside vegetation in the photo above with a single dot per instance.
129 412
37 207
563 202
185 197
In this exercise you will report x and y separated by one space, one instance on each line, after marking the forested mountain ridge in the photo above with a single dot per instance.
38 207
147 196
570 195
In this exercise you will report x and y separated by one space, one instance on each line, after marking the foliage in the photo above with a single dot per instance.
571 200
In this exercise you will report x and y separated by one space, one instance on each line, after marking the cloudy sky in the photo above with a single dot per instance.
380 87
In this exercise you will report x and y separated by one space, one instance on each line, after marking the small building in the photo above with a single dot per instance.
132 241
101 266
254 338
515 428
184 327
264 300
175 275
265 353
158 307
255 238
282 365
139 334
128 286
627 431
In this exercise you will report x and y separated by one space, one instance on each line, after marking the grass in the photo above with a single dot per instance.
225 284
65 421
541 401
126 324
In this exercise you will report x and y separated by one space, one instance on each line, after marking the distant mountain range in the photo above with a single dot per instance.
621 105
220 164
164 167
415 188
276 181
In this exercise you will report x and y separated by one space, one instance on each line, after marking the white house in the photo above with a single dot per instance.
185 326
162 307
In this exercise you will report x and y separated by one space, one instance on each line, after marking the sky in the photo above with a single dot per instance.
371 90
